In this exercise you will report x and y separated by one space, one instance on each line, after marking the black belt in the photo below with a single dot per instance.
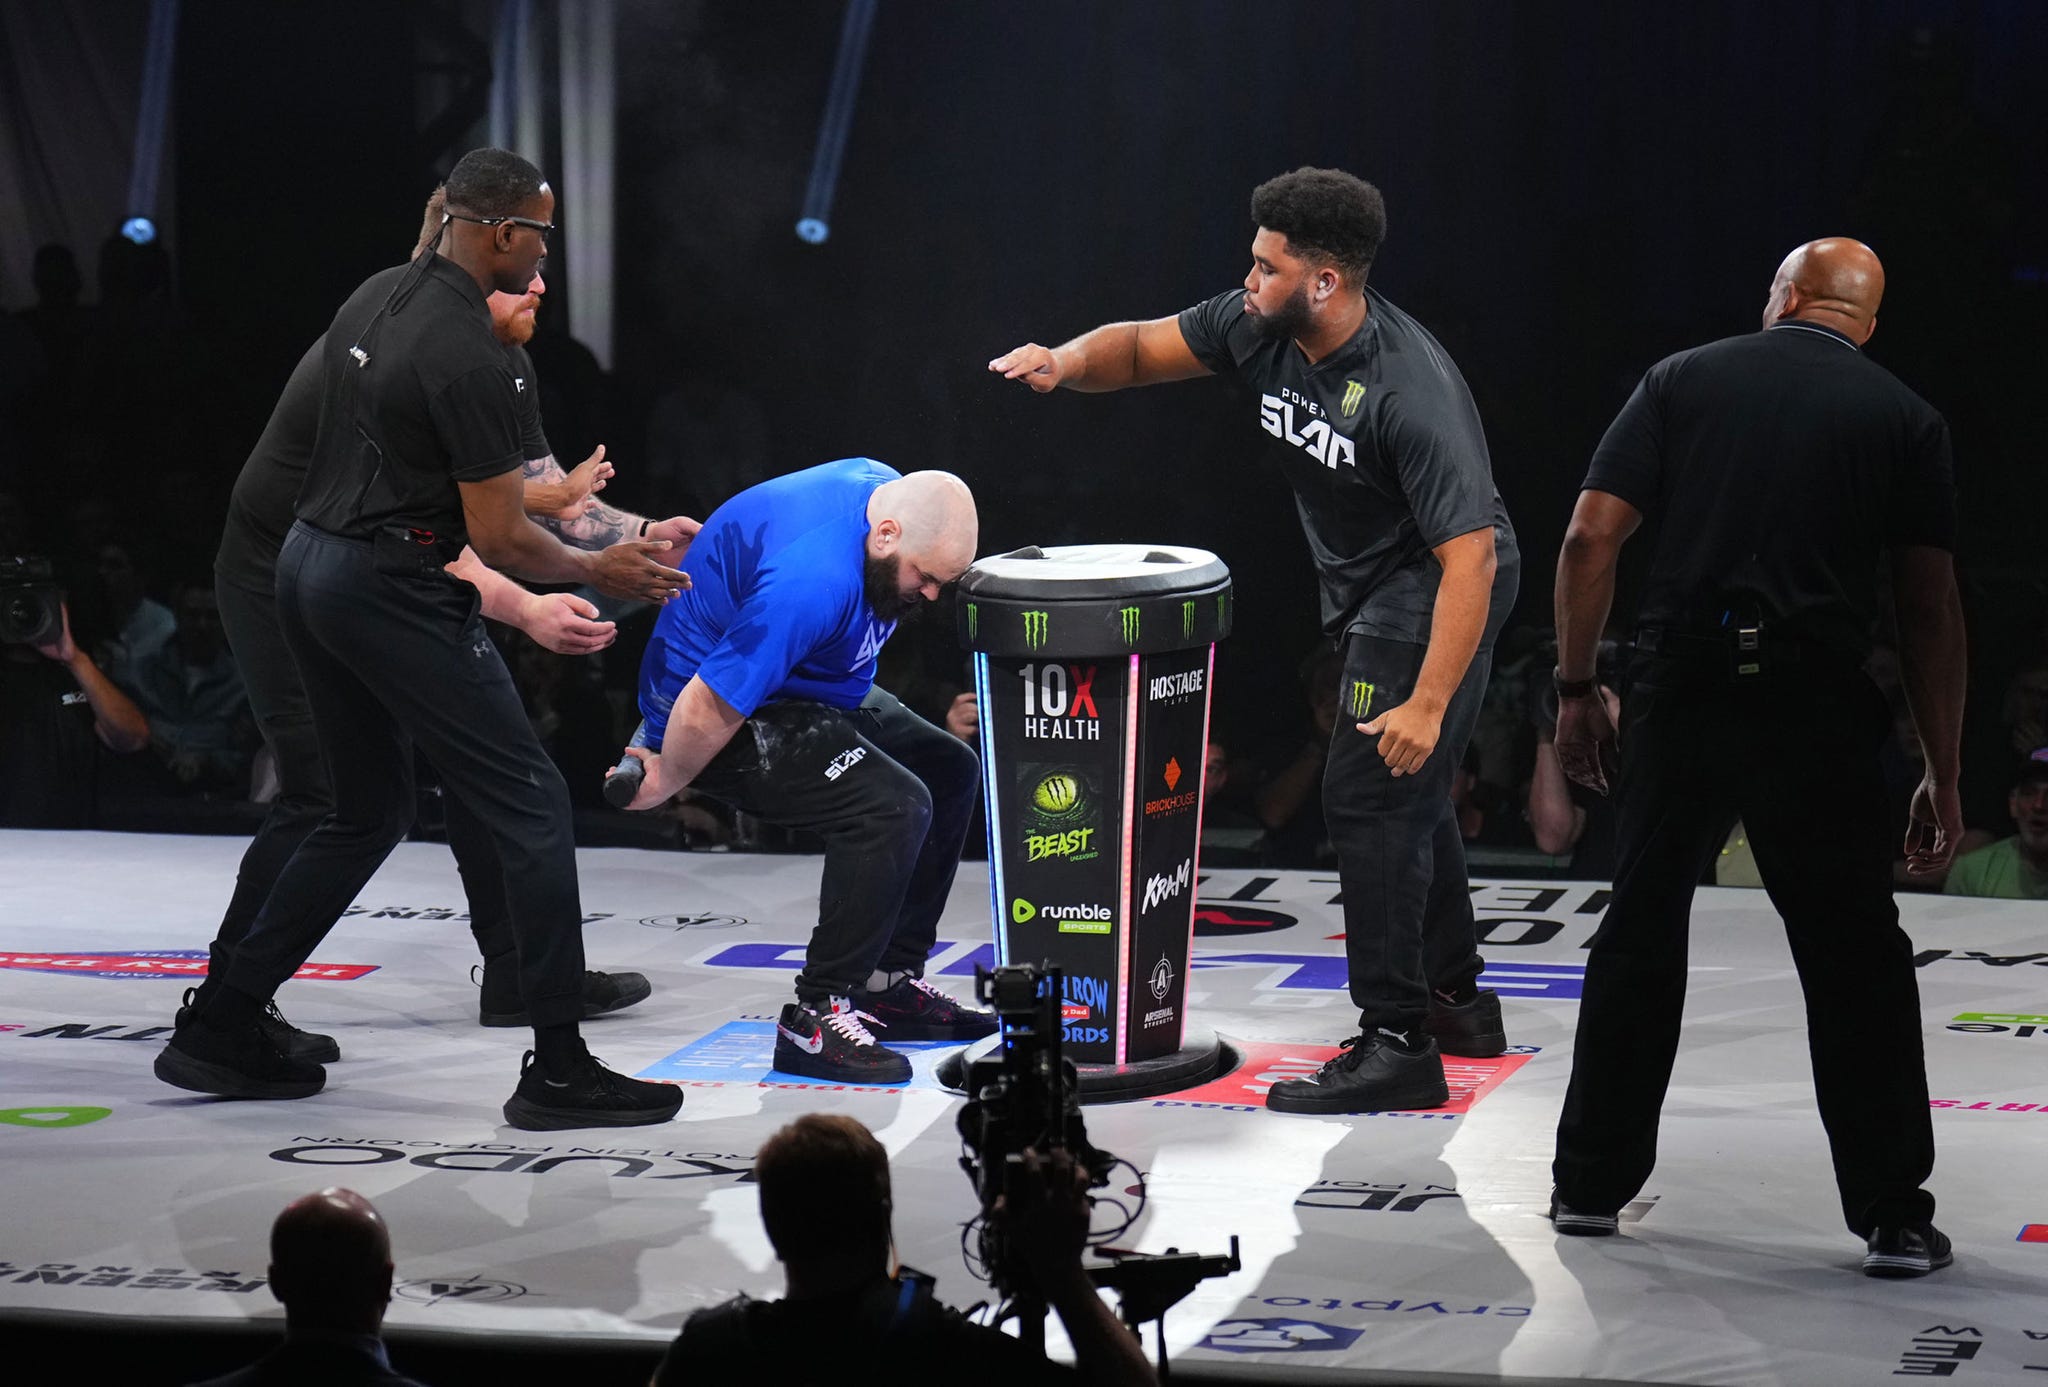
1679 644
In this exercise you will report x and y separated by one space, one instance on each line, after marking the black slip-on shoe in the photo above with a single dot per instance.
589 1096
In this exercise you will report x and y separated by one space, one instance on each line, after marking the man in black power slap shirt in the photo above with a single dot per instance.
1376 431
245 576
419 451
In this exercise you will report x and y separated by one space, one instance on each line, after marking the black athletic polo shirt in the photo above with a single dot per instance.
1782 464
433 404
1384 449
260 511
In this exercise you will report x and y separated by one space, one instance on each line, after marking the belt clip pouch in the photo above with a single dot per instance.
407 553
1749 655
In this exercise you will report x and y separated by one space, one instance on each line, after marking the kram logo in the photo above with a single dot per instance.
1162 888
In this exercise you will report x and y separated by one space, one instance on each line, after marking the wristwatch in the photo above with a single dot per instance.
1571 688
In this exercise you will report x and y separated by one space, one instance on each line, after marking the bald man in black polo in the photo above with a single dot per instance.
1786 466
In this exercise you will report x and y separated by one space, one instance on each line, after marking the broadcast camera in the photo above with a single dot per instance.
31 611
1024 1095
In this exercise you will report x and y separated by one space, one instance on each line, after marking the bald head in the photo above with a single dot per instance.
330 1261
1834 282
922 530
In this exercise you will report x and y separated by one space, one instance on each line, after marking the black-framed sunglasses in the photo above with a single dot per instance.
542 227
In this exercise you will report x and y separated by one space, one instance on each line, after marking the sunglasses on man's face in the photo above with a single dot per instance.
542 227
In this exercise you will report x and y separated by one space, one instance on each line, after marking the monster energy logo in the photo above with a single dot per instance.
1035 625
1353 393
1361 698
1222 601
973 619
1130 616
1187 618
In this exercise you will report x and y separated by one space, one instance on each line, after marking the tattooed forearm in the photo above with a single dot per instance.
596 528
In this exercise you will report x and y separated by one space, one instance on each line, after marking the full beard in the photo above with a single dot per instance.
878 579
1289 320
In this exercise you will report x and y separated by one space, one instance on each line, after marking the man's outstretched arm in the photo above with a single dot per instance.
1115 356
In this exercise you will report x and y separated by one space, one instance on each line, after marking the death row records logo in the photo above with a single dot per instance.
161 963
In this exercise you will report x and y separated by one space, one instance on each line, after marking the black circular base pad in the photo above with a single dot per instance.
1203 1056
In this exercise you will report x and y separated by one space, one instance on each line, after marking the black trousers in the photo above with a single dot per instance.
1797 758
389 660
1408 923
891 796
277 697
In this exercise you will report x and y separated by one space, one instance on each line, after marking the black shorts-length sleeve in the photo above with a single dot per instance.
1629 462
1207 330
1442 468
1923 501
477 418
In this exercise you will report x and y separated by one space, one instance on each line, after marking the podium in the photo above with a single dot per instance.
1093 666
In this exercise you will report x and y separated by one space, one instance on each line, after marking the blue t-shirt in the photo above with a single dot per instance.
776 606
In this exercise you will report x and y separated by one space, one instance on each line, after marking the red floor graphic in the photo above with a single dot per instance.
1267 1061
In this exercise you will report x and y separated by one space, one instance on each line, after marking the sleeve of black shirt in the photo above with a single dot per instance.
1442 468
1923 502
1207 327
533 440
477 418
1629 462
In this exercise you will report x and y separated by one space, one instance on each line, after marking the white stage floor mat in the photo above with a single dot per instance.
1410 1243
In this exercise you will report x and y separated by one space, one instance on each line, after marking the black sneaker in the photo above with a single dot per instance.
915 1010
1372 1074
1472 1030
289 1039
236 1063
1577 1224
602 992
830 1042
592 1096
1913 1249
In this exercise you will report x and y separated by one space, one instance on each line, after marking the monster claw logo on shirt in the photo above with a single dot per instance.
1035 626
1361 698
1130 617
1354 394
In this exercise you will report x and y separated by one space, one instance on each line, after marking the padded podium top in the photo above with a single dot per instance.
1082 572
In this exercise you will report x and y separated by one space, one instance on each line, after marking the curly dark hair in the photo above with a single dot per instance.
1325 214
492 183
